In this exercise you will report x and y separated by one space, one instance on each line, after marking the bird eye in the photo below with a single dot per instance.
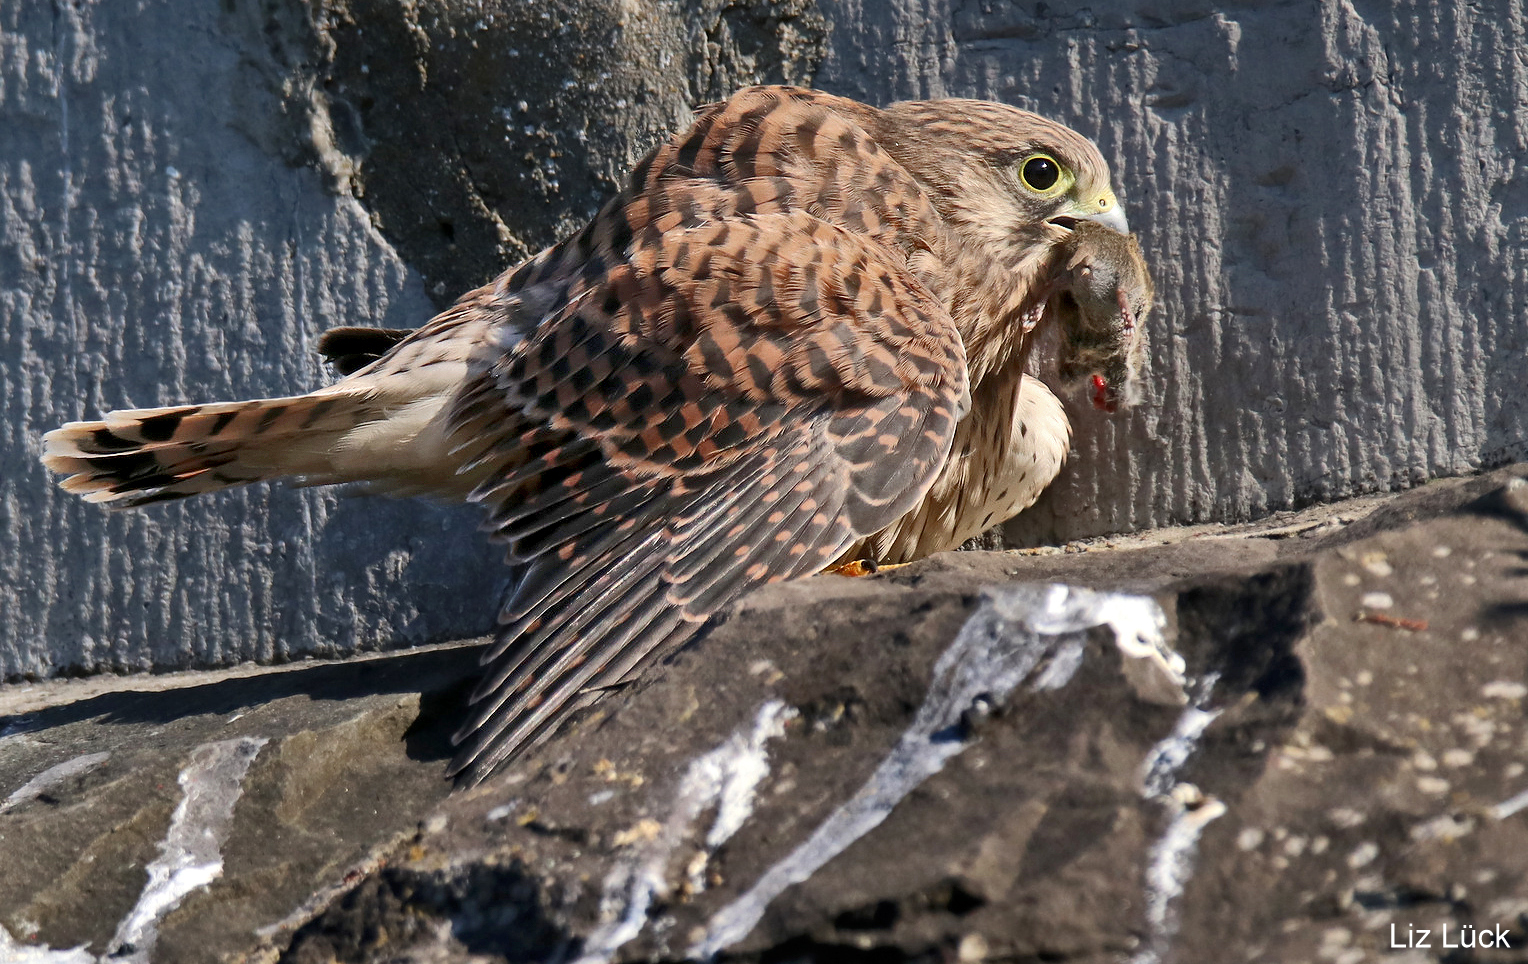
1040 173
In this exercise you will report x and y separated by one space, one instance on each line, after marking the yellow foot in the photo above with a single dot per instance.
864 567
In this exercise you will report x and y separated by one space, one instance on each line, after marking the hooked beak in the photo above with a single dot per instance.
1112 217
1105 210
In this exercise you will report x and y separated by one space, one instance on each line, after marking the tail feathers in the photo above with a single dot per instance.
132 458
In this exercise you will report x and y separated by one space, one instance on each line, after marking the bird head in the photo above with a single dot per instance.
1035 197
1008 180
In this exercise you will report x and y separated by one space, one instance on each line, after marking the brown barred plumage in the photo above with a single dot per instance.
797 335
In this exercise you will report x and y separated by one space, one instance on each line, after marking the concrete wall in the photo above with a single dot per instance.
1330 196
153 253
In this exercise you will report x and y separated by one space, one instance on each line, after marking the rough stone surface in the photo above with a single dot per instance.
1355 757
352 763
1335 214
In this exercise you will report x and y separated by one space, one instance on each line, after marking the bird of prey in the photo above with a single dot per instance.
797 336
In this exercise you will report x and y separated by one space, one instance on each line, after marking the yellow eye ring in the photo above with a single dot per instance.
1044 175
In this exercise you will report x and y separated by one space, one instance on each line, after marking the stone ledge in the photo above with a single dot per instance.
1357 761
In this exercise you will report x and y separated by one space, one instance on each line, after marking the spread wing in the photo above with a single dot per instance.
734 403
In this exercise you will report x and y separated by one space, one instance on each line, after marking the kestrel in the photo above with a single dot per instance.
797 336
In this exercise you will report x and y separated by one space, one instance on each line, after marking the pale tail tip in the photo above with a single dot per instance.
64 440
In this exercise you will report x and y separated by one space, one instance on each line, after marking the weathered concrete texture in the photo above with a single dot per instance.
1352 757
477 134
1333 200
152 254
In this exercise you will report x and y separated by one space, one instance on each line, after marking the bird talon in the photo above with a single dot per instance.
859 567
864 567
